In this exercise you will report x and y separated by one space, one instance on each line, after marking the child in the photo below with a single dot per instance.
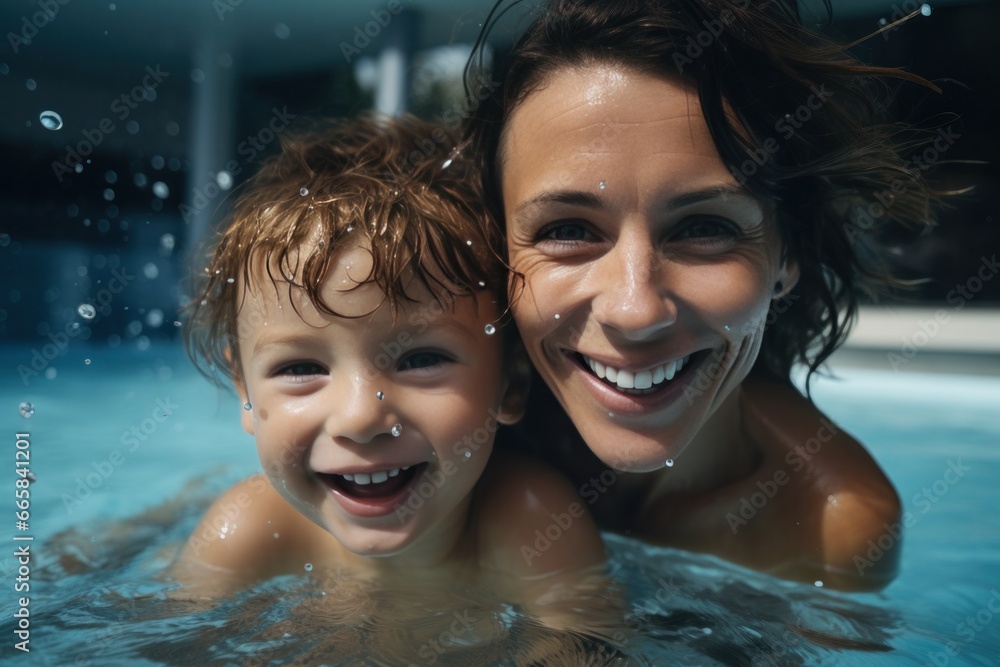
355 303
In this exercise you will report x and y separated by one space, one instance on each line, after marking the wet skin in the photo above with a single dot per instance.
641 254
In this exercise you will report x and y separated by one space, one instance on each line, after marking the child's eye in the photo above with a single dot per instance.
301 369
423 359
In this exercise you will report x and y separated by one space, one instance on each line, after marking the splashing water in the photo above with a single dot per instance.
50 120
26 409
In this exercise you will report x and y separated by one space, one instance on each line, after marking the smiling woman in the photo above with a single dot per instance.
682 232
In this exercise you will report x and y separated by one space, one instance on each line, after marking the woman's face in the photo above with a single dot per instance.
648 271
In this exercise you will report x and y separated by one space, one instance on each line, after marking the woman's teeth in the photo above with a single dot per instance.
644 379
363 478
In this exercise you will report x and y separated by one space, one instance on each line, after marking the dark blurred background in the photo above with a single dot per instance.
125 125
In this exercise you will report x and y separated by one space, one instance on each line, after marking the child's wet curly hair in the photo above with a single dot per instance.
393 185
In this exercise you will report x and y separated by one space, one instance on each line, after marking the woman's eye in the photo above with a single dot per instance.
302 369
565 231
424 359
707 229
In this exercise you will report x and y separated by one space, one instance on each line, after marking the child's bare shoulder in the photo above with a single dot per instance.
532 521
248 534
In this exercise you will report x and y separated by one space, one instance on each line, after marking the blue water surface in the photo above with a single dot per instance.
134 429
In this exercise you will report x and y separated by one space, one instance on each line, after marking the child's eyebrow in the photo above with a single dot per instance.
290 340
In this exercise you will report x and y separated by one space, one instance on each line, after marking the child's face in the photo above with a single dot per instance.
328 392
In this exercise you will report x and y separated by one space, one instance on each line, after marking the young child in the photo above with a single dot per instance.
355 303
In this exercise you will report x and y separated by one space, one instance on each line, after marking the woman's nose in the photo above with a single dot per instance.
633 300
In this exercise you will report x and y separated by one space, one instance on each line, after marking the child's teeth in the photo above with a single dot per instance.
377 477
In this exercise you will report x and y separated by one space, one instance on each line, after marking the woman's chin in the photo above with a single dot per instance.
625 450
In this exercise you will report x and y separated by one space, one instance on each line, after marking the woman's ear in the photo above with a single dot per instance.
246 416
787 278
518 369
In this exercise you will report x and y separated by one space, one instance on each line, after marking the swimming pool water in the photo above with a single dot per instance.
95 598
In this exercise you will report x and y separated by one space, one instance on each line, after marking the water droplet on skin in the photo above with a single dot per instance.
31 477
276 536
86 311
247 406
727 328
670 463
304 191
818 584
350 228
309 567
482 284
50 120
397 430
446 164
379 395
230 280
468 243
602 186
26 409
557 316
468 454
490 329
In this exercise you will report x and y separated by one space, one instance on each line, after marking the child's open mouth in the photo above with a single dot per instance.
375 493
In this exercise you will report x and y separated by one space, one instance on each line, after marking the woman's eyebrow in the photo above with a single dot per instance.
570 197
590 200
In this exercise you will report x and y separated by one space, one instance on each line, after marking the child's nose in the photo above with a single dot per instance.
361 413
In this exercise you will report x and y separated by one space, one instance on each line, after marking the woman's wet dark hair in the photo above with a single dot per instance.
799 121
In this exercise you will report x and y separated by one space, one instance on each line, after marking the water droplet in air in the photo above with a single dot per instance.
30 84
602 186
482 284
309 567
379 395
818 584
86 311
397 430
282 31
161 190
925 9
50 120
303 191
670 463
490 329
446 164
31 477
26 409
86 361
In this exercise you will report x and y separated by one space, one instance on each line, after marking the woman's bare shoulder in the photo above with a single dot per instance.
834 483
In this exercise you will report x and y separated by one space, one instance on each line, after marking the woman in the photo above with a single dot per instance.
687 191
